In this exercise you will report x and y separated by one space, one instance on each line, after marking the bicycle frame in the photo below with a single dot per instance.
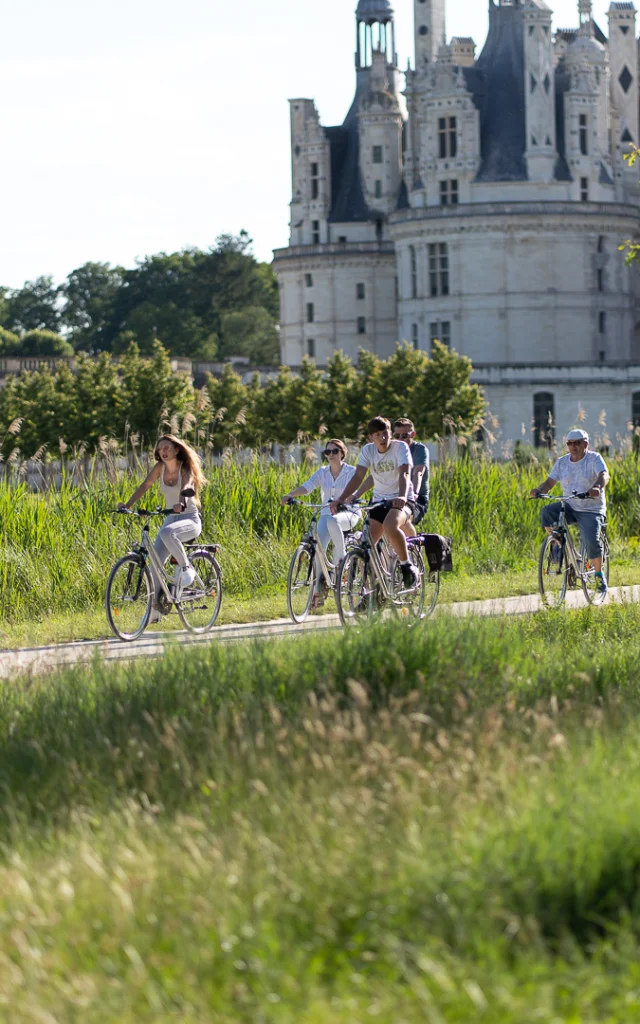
382 569
311 536
573 558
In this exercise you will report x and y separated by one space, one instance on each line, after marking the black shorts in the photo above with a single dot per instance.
381 511
419 513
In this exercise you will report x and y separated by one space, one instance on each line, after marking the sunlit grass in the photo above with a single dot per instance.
58 547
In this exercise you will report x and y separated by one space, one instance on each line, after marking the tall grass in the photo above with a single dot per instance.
58 546
332 831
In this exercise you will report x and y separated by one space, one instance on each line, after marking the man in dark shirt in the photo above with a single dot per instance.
404 430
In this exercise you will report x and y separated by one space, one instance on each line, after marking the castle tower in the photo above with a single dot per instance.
541 154
375 32
430 30
586 112
380 118
310 174
623 62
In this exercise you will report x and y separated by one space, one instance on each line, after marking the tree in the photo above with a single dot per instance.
33 307
446 401
89 296
227 408
251 332
8 341
36 343
153 394
338 409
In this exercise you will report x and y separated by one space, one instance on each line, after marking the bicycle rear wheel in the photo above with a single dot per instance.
128 597
589 585
356 591
552 575
199 604
301 582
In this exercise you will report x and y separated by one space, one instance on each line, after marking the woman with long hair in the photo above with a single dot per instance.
177 468
331 479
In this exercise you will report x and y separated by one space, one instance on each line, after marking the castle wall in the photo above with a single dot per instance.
542 282
332 279
599 399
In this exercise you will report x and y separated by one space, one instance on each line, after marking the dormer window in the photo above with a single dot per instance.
447 137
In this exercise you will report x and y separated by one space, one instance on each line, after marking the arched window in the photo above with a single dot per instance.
544 417
413 263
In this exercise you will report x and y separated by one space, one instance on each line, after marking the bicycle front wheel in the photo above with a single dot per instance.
552 572
128 598
355 596
589 583
200 602
301 582
410 604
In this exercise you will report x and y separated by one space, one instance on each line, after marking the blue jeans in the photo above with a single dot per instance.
589 523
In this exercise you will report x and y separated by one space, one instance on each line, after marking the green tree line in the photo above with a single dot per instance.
139 396
203 305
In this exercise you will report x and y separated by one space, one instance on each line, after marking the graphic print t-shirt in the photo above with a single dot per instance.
580 476
385 469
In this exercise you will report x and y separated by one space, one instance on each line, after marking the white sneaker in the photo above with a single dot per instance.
184 578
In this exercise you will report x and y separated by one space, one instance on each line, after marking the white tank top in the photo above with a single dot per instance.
171 493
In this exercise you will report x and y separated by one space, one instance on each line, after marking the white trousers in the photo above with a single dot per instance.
332 529
177 528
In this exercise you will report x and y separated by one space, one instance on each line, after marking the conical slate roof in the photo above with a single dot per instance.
374 11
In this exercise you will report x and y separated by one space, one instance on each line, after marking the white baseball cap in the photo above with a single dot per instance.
578 435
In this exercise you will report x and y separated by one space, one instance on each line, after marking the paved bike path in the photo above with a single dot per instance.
36 660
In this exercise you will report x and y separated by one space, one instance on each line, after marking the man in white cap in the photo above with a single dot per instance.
586 472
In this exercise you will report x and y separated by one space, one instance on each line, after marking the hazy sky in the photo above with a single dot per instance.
136 126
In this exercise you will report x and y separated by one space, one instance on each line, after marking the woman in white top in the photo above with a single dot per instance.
177 468
331 480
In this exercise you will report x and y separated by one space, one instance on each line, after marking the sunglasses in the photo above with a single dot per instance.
332 451
402 437
569 443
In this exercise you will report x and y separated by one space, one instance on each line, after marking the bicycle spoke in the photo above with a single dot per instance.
200 601
552 572
128 597
301 583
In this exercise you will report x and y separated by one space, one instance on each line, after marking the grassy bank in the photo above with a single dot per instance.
59 546
333 830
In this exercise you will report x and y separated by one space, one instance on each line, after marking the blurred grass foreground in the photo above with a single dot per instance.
434 825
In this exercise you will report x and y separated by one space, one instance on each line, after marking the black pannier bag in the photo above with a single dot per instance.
438 552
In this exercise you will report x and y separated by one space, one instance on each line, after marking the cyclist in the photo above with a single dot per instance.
390 464
177 468
331 480
584 471
404 430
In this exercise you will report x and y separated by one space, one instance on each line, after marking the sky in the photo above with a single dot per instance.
141 126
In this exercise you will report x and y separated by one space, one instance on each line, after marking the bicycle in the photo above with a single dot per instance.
130 586
562 567
301 581
370 580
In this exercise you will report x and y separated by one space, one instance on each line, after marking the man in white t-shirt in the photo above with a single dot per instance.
389 464
585 472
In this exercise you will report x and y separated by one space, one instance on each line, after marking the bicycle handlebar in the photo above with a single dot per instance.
562 497
142 513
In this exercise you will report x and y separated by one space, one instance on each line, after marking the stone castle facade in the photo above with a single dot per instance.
483 205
